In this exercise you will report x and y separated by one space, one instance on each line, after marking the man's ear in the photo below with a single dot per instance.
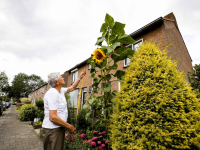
56 82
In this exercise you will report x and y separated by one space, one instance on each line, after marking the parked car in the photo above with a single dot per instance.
1 107
4 105
7 104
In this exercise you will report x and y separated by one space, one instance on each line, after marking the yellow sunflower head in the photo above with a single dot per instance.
98 55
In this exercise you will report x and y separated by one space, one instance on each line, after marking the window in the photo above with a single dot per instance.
74 98
42 90
74 75
90 89
84 96
119 86
133 47
89 66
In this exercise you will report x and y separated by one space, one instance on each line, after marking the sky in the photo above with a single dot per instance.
43 36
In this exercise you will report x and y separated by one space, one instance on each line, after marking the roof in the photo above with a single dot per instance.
154 23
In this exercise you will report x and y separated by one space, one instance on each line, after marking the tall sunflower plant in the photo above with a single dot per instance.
112 47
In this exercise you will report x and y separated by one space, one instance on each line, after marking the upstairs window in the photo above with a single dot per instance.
74 76
133 47
89 66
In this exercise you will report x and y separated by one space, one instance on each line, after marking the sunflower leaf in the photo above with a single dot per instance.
112 47
118 28
127 40
99 41
104 27
109 20
114 66
119 74
107 89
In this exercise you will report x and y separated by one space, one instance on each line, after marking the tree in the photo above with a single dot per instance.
195 79
3 81
23 84
155 108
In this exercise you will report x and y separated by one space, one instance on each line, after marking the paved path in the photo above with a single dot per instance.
17 135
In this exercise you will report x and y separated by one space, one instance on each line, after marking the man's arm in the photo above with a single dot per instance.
75 84
53 117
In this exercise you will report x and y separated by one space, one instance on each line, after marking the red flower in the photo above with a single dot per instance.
100 148
104 132
106 142
82 136
94 138
95 132
99 142
93 143
102 145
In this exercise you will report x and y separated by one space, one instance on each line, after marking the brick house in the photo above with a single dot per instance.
163 30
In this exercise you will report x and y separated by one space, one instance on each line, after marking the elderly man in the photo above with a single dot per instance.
56 113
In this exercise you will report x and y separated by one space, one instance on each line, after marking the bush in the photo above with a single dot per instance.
28 112
26 100
39 103
155 108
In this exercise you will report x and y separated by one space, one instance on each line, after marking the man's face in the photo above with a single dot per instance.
61 80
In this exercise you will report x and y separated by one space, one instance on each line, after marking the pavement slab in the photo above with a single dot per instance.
15 134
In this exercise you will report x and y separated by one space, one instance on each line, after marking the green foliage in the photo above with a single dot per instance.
39 103
23 84
28 112
3 81
155 108
113 35
41 135
195 79
40 111
82 123
26 100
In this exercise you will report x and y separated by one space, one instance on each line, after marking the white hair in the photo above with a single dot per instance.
52 77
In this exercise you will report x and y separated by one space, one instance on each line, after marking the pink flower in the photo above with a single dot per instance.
85 141
106 142
94 138
81 131
93 143
102 145
89 141
100 148
95 132
82 136
99 142
104 132
100 133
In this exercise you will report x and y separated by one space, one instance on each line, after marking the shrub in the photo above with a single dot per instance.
155 108
39 103
26 100
28 112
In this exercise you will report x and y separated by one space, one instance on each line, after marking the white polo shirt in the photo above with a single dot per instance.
53 100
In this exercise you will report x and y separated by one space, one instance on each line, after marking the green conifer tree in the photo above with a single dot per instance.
155 108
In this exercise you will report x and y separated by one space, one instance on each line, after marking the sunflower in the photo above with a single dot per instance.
98 55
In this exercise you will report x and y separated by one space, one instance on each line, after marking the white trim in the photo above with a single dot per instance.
119 86
74 70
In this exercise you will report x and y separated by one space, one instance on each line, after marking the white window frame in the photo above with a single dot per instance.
89 66
83 92
74 75
133 47
119 86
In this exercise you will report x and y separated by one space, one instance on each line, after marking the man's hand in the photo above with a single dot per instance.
83 73
71 129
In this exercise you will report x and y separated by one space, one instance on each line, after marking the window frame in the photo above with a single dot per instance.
74 77
126 61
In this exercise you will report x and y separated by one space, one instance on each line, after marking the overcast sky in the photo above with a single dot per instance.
43 36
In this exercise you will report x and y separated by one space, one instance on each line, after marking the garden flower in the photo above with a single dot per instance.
104 132
81 131
93 143
95 132
99 142
102 145
100 148
94 138
89 141
106 142
100 133
82 136
85 141
98 55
